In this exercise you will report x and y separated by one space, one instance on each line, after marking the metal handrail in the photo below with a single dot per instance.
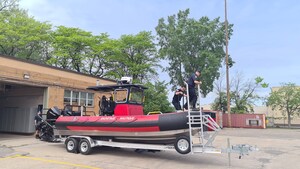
189 116
202 134
202 120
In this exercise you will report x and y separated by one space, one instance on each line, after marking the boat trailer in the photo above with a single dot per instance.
200 142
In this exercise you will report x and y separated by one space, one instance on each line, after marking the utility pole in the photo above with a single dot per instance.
227 67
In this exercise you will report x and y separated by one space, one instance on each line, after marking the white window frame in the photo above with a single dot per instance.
79 98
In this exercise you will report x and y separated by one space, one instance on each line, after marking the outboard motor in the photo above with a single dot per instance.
52 114
46 132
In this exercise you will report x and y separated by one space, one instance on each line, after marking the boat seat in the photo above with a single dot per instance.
67 111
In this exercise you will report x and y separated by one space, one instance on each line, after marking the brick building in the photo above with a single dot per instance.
24 85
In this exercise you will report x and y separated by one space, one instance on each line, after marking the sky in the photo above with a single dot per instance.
265 40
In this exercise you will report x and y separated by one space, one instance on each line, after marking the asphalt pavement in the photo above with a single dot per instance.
278 148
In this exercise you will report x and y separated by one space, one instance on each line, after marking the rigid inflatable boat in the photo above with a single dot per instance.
122 118
146 128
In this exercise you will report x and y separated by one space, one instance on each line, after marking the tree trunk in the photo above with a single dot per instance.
289 120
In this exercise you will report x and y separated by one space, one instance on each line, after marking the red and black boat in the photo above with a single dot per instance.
122 119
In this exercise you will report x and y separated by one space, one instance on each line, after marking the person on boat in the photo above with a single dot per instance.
111 105
107 106
103 104
192 82
177 97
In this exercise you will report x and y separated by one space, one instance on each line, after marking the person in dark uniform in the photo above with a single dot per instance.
177 97
37 122
192 82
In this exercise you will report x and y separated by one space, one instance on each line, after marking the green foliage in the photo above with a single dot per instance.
79 50
190 44
243 93
71 46
22 36
220 103
286 99
259 81
156 98
98 60
135 56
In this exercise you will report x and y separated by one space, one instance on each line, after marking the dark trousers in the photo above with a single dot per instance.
192 98
176 105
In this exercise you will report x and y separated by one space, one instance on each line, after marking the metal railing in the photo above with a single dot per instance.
197 120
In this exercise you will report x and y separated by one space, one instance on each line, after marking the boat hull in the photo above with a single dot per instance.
146 128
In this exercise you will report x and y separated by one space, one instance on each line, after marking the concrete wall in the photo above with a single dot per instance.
17 120
22 97
18 106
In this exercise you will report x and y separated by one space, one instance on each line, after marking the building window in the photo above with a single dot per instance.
78 98
90 99
67 97
83 98
75 98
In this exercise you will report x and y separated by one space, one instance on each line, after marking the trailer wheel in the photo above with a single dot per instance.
85 147
182 145
71 145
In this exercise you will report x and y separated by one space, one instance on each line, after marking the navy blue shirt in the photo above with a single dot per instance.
177 97
191 81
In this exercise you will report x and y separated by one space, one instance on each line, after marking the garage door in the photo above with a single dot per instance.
18 106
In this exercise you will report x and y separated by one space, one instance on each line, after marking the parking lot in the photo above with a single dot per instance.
278 148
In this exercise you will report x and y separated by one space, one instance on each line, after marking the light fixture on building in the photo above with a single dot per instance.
97 82
26 76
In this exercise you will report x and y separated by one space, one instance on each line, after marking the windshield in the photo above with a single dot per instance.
136 95
121 95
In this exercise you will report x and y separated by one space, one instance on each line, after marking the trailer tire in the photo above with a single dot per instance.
182 145
85 147
71 145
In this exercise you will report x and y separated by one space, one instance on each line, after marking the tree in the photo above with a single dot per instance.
22 36
136 57
97 61
220 103
71 46
286 99
156 98
190 44
7 5
242 93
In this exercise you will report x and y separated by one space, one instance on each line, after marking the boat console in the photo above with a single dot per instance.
125 100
